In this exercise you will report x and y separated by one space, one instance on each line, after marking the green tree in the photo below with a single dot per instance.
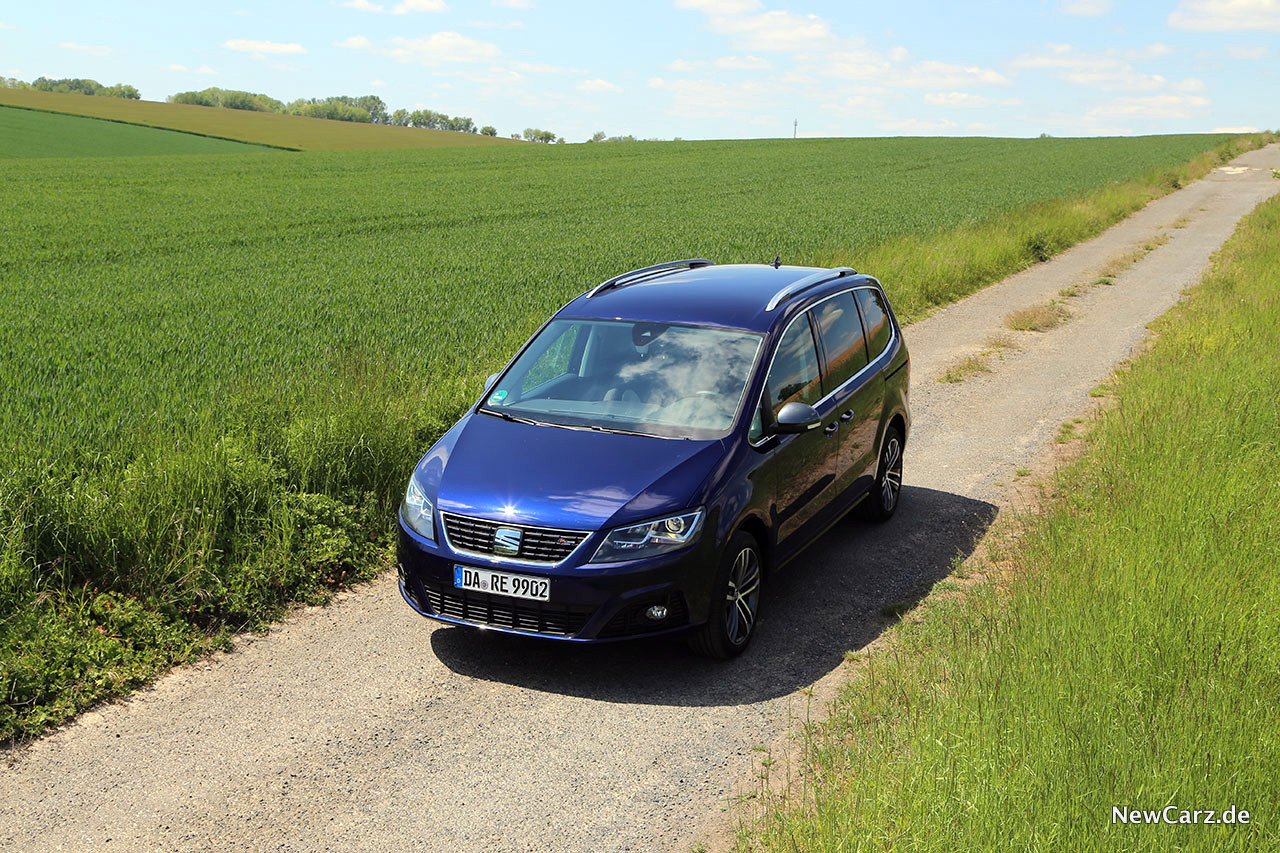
400 118
598 136
489 130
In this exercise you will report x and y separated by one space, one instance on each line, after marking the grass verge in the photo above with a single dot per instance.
1128 655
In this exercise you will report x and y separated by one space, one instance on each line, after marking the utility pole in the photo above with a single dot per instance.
795 128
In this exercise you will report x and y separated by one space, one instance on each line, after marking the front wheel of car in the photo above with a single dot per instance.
881 504
735 603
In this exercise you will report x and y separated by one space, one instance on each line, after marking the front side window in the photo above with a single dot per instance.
794 375
652 378
842 338
875 318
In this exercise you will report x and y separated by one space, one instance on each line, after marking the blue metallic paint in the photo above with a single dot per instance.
585 480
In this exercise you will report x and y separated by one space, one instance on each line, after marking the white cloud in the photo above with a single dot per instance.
899 54
378 84
1248 51
942 75
355 42
90 49
1226 15
1152 51
407 6
514 4
956 99
402 8
698 98
918 126
742 63
720 7
264 47
736 63
1191 84
440 49
1108 72
1153 107
4 26
1089 8
598 85
1237 129
777 31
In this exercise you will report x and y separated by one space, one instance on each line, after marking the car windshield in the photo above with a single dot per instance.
651 378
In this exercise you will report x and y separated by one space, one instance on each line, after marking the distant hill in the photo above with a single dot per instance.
28 133
274 129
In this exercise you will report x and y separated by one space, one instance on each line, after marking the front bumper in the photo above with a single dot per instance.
590 602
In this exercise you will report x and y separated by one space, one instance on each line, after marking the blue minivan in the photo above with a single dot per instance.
657 450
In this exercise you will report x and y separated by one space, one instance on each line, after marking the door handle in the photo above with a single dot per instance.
832 427
844 418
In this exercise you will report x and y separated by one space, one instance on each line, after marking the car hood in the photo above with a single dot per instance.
568 478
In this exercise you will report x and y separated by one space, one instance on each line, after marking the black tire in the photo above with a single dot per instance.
882 502
735 604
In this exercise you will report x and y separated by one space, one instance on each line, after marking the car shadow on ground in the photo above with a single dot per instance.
830 599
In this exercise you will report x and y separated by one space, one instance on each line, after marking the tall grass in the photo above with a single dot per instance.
1128 656
219 370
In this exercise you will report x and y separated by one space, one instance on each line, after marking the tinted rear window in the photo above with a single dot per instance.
875 319
841 333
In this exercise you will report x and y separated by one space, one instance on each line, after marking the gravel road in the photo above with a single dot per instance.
361 726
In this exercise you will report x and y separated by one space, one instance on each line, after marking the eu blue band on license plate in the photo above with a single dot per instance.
457 576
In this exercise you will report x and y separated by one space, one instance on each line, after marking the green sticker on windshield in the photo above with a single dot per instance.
497 397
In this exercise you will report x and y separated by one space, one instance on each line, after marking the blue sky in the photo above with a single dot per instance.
698 69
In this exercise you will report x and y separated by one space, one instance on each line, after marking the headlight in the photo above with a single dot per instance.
418 512
650 538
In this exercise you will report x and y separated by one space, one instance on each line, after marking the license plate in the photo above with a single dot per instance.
502 583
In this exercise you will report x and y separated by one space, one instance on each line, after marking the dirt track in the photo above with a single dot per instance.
362 726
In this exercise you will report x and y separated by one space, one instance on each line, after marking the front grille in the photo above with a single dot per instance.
537 544
631 619
501 612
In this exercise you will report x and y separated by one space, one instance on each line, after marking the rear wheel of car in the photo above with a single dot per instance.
735 603
881 504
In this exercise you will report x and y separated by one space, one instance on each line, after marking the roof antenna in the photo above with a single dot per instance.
777 261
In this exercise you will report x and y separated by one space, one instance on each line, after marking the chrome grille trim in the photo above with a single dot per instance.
538 545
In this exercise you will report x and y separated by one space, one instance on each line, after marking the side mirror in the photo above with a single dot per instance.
797 417
488 383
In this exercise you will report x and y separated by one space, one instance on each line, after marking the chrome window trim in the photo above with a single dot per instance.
444 530
893 336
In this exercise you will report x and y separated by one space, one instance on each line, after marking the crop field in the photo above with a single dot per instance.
274 129
1124 649
27 133
218 370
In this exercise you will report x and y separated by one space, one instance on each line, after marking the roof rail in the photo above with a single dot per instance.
646 273
807 282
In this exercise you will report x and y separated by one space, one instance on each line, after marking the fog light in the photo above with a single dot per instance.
657 612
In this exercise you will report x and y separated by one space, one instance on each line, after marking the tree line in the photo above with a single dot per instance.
369 109
77 85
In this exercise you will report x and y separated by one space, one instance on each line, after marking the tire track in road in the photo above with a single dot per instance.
361 726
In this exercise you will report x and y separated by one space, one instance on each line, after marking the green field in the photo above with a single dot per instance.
1129 654
218 370
273 129
28 133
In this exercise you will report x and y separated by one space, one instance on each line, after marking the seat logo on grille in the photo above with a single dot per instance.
506 540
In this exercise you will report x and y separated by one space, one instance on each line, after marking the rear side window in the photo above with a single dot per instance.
794 375
842 338
875 319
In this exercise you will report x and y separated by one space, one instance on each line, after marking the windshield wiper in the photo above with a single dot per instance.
507 416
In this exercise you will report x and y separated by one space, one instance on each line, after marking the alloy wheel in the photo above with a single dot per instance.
742 596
